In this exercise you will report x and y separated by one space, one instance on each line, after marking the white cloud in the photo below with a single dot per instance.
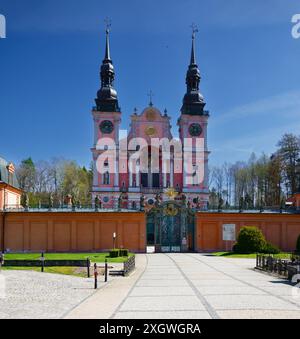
285 104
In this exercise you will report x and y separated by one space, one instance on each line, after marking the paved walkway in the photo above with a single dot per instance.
192 286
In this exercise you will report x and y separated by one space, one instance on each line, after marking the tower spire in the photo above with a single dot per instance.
107 100
193 56
193 102
107 49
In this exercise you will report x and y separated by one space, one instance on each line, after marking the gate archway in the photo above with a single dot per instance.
171 227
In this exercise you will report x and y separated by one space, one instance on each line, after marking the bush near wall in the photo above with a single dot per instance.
115 253
252 240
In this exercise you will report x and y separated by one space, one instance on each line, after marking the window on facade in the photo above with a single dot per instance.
106 178
195 176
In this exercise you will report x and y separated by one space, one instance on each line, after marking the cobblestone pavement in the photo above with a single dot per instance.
31 294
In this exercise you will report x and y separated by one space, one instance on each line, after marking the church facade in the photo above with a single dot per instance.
125 180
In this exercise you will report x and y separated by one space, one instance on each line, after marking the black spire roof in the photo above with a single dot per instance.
107 99
193 101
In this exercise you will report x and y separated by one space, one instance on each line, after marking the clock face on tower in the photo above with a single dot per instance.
195 130
106 127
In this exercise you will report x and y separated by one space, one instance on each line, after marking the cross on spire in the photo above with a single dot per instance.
151 95
107 49
107 21
194 30
193 56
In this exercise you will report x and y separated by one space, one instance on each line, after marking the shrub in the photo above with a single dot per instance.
270 249
250 240
114 253
124 252
298 245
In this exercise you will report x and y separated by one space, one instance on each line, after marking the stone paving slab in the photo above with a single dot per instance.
282 290
162 303
259 314
252 302
161 291
229 290
159 282
220 283
164 315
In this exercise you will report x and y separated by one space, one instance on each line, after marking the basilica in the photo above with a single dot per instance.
120 184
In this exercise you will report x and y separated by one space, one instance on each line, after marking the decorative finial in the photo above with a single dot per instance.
135 110
108 24
194 29
151 95
165 111
193 56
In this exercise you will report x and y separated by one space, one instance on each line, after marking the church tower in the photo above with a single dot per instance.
193 135
107 119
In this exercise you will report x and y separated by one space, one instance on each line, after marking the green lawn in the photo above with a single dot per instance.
75 271
247 256
94 257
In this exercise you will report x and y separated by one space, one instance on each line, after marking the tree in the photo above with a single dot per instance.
26 175
289 151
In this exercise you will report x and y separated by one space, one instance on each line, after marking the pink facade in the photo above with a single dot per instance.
124 171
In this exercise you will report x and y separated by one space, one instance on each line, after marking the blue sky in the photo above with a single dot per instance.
49 70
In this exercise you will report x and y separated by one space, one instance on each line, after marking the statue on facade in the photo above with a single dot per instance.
241 204
50 202
96 201
73 203
100 203
184 201
26 202
158 200
120 201
220 205
198 204
142 202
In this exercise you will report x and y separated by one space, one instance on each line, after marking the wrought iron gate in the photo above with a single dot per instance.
171 227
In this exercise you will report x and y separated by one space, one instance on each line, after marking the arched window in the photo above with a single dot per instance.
106 178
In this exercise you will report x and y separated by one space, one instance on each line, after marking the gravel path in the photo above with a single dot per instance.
31 294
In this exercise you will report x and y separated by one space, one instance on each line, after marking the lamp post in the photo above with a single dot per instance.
114 240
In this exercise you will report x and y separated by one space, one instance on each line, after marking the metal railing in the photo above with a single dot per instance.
129 265
90 208
151 190
286 268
